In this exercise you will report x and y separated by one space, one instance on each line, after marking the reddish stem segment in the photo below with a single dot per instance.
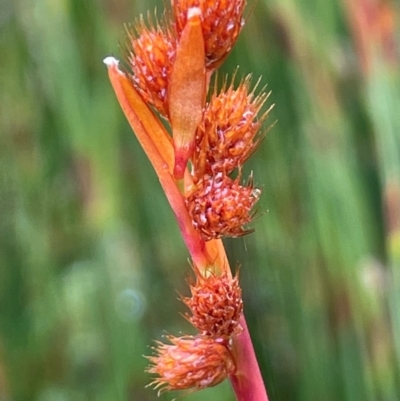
247 382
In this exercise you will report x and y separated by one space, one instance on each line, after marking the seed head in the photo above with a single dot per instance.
227 135
220 206
221 24
216 305
151 54
190 363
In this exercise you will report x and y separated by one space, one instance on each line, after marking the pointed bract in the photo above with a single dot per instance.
187 91
157 145
222 21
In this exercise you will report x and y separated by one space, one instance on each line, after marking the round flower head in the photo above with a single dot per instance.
227 135
221 25
216 304
220 206
151 54
190 363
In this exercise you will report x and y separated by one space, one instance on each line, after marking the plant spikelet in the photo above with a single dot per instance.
191 363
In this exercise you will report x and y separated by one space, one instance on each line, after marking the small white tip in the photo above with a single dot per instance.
193 11
111 61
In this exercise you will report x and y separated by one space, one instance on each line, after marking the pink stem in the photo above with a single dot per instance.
247 382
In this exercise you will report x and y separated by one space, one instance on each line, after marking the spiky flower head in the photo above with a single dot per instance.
216 304
190 363
227 135
220 206
222 22
151 54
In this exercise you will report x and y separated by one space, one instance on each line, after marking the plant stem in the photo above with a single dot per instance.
247 382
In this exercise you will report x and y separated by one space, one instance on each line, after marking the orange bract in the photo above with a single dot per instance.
190 363
187 91
222 22
157 145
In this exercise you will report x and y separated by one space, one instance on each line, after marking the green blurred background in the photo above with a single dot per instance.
90 256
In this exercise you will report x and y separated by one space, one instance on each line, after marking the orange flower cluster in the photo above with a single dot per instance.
216 305
151 53
152 50
226 137
221 206
170 64
204 360
191 363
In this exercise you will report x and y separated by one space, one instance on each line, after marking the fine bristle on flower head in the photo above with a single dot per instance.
190 363
228 134
221 207
215 304
151 52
